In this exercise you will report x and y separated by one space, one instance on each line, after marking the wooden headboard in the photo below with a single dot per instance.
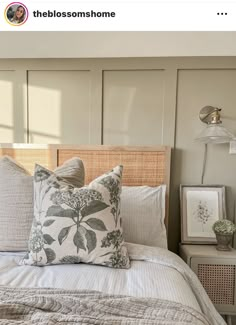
142 165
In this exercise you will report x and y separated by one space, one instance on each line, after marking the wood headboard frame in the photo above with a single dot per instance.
142 165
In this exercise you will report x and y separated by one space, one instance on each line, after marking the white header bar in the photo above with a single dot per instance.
118 16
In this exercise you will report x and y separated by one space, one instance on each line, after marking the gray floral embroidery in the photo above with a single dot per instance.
118 258
81 203
113 186
67 217
70 259
56 181
41 174
37 242
114 238
76 199
39 237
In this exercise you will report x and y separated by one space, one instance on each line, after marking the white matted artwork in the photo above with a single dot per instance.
201 207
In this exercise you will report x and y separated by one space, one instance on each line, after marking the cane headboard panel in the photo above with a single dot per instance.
142 165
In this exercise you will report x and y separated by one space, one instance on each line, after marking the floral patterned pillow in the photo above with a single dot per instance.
73 225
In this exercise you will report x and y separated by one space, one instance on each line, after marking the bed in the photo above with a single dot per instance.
158 288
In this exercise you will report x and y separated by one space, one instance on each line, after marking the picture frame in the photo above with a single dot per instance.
200 207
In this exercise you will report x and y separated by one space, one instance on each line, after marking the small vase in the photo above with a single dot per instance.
223 242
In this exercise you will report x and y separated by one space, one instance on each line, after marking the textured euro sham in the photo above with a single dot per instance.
143 213
73 225
16 199
16 205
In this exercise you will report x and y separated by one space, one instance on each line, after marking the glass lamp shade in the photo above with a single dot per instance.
215 133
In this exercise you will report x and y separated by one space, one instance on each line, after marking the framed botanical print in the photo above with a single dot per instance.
201 206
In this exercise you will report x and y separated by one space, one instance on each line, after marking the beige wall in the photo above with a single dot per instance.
115 44
133 101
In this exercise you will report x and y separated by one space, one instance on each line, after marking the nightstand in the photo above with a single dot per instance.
217 272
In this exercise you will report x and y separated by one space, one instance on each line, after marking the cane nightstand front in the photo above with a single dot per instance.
217 272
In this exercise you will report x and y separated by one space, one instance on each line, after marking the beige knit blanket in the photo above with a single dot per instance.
52 306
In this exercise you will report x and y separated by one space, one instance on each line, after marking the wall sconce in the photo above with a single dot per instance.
214 132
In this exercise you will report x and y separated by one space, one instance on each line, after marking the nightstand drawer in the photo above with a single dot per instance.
217 276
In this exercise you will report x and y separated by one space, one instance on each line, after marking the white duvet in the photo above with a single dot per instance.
155 276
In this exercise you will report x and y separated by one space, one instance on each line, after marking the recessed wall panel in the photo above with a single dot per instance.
12 107
59 107
133 107
196 89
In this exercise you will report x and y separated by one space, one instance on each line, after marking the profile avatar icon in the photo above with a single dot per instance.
16 13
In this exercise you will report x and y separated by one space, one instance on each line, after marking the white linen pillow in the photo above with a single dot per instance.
143 214
16 199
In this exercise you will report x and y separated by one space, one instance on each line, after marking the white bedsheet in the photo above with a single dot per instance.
143 279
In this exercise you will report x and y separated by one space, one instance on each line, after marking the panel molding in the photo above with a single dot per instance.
18 81
172 69
122 63
128 95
